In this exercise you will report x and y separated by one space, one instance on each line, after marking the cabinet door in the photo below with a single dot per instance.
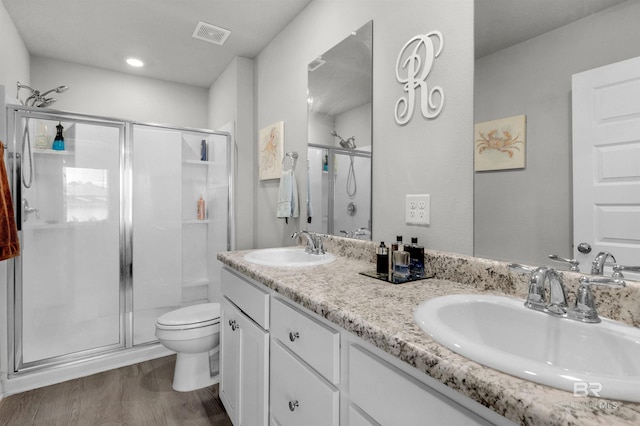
254 373
244 368
299 396
229 360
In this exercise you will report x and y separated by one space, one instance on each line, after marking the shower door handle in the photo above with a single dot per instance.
27 210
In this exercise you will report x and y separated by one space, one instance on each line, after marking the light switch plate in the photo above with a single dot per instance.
418 209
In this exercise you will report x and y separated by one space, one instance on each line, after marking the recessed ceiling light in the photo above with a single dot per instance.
135 62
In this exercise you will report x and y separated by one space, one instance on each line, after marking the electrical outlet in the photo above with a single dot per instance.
418 209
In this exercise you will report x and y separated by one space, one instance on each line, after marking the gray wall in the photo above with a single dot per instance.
424 156
113 94
14 57
231 100
524 215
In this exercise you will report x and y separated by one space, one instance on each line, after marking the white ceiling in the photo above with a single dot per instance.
503 23
102 33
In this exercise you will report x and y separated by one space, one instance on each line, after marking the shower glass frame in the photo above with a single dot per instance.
16 114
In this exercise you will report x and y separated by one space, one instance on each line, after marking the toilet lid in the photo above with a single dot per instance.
196 315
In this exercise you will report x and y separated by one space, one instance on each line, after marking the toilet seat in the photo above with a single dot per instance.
190 317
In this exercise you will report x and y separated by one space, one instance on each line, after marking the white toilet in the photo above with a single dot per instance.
194 333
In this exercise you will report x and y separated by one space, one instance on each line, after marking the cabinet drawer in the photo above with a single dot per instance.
251 300
314 342
299 396
391 397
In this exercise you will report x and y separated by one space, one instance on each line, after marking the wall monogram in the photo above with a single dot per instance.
415 61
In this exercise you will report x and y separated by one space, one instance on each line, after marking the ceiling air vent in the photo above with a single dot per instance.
210 33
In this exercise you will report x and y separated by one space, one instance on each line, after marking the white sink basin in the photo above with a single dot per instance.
288 256
501 333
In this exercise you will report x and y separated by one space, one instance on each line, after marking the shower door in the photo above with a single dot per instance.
68 298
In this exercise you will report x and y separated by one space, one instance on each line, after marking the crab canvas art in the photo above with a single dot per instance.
500 144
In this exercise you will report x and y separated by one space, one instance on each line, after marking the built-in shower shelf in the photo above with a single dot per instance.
51 152
196 283
194 221
203 163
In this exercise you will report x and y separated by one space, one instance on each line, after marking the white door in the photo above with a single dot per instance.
606 163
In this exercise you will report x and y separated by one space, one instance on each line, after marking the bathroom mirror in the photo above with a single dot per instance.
339 137
524 215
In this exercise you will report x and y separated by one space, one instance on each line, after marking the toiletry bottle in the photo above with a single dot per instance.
416 255
401 261
58 142
394 247
201 208
382 259
203 150
42 141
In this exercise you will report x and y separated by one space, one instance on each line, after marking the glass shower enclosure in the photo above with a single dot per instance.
109 230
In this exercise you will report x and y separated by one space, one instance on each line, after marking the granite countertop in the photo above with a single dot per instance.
382 314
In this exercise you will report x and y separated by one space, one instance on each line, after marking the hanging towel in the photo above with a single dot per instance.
9 243
288 195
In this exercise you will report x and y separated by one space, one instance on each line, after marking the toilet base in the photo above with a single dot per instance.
193 371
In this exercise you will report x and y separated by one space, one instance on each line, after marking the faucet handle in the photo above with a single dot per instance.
318 241
617 270
573 262
585 305
535 297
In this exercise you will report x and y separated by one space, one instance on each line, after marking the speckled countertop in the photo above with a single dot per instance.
382 314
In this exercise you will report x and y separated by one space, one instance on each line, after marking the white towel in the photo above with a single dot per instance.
288 195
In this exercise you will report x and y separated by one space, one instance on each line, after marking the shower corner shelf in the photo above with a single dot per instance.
196 283
201 162
51 152
194 221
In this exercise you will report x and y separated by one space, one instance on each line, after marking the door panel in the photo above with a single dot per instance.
606 162
69 299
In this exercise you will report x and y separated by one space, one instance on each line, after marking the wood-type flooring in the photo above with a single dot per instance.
139 394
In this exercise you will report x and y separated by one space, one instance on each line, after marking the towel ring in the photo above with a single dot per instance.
294 157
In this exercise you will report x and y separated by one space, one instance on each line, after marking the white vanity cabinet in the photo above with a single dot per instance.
391 397
305 367
244 354
289 366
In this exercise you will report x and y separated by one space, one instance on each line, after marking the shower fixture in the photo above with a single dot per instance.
348 144
352 185
37 99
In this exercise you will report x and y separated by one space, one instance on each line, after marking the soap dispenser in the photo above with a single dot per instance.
58 142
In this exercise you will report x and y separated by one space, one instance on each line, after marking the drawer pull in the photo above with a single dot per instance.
234 325
293 337
293 405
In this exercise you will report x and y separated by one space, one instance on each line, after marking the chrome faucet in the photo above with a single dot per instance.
314 242
585 307
574 263
617 270
557 301
597 266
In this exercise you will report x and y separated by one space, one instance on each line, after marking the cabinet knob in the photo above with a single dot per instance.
293 405
294 336
234 325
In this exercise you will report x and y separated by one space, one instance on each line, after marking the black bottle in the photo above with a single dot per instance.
382 259
416 255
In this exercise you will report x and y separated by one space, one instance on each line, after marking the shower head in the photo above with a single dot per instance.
58 89
347 144
37 99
